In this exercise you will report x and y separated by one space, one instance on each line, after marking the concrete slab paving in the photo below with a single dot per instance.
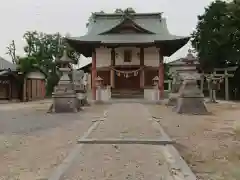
125 161
126 121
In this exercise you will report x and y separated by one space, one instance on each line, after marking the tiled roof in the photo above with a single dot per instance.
151 22
4 65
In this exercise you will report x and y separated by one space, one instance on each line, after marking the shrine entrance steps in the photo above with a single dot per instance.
127 93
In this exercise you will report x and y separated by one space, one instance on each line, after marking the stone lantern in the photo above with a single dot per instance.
99 84
64 96
99 81
156 90
155 81
191 99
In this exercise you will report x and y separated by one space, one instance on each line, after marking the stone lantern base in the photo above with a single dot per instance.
173 98
191 99
191 105
65 102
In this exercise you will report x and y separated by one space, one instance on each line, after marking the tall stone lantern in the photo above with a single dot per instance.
64 96
191 99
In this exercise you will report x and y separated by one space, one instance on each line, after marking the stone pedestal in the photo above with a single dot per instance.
65 103
99 94
191 99
64 96
172 100
173 96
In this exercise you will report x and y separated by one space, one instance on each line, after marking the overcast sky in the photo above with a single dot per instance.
70 16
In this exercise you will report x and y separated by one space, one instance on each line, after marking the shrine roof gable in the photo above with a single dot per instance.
150 22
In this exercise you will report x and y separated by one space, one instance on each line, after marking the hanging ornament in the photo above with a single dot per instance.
127 76
118 74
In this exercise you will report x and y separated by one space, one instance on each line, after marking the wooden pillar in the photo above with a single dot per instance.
24 90
202 83
112 73
94 74
161 75
226 85
142 78
10 89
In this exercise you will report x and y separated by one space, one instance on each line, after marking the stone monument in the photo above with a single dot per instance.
156 93
78 86
191 99
64 96
173 95
213 86
99 82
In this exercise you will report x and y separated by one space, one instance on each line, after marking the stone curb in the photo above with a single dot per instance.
160 141
177 165
69 160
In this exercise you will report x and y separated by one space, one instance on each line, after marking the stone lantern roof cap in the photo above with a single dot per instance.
64 59
190 58
155 78
99 78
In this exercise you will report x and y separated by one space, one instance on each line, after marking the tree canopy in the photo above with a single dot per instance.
41 51
217 35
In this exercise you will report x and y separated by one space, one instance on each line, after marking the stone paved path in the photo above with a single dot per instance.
118 162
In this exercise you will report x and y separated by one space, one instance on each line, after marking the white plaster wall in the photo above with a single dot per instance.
151 57
103 56
120 57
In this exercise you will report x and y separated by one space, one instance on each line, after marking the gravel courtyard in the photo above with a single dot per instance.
33 143
210 144
117 162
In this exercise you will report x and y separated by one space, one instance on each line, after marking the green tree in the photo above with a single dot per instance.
11 51
210 38
41 51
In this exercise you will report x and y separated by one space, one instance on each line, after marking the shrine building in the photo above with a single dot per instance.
127 50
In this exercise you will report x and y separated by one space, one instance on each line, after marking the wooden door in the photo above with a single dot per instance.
129 83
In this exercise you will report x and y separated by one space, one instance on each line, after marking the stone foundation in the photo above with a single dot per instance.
173 98
65 104
191 105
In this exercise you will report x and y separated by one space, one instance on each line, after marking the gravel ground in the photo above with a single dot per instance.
209 144
33 143
119 162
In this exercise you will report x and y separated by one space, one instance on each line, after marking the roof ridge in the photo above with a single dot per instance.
122 21
134 14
